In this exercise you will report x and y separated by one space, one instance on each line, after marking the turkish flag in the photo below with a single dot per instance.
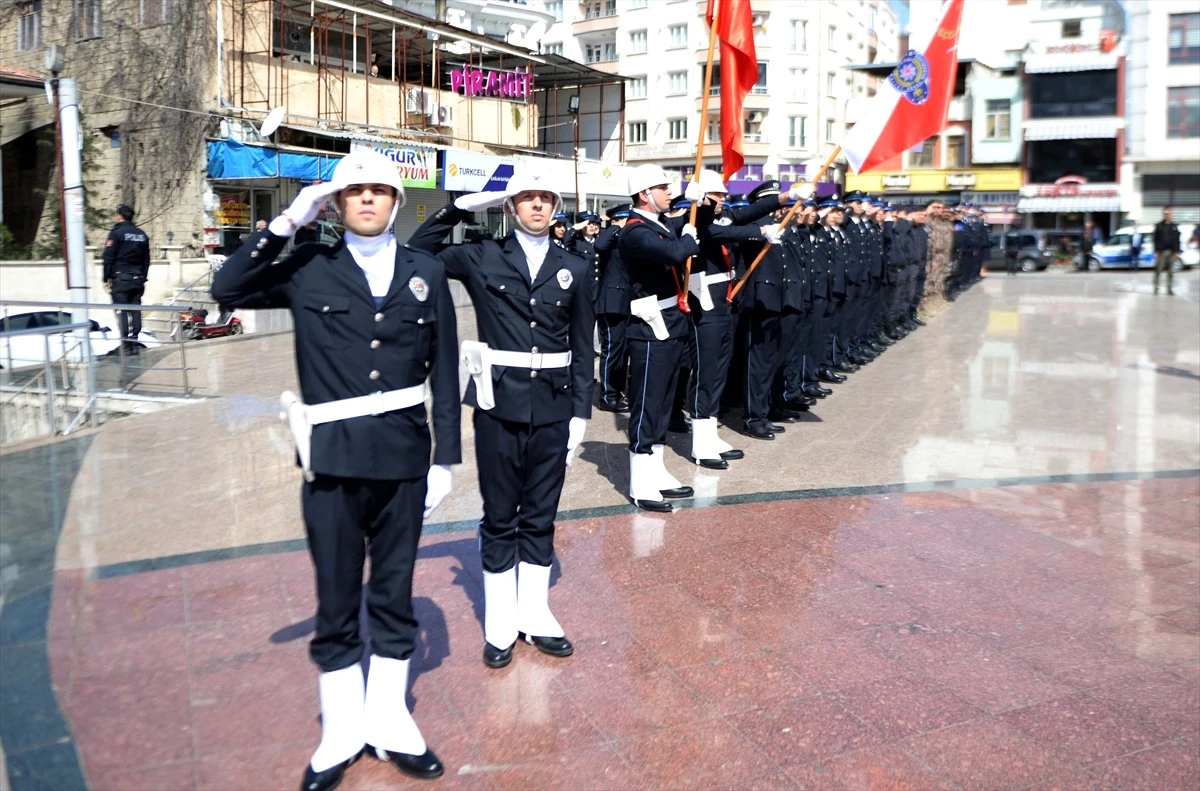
739 72
912 104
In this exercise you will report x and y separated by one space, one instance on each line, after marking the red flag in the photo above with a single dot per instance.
913 103
739 72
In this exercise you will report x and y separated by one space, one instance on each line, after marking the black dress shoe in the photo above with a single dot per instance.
814 390
784 415
425 766
658 506
619 405
799 403
554 646
759 431
831 376
712 464
496 657
677 493
776 428
328 779
678 425
918 322
846 367
732 455
861 357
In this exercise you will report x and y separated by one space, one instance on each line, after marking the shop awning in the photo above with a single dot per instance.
1077 203
1058 62
1073 128
229 159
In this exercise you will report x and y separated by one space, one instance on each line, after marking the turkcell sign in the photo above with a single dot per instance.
470 171
417 166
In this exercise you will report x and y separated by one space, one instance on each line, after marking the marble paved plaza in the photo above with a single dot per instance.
975 566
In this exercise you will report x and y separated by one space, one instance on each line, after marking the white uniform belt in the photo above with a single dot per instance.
724 277
374 404
534 361
669 302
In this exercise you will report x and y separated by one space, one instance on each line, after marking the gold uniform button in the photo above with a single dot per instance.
373 375
375 344
378 317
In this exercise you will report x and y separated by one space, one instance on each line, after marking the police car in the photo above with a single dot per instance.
1115 252
21 351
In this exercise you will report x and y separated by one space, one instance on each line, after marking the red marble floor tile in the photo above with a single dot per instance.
371 774
880 768
1184 511
1150 641
236 571
679 630
255 769
620 704
65 604
1080 661
163 777
133 587
864 608
747 682
108 614
105 654
905 705
1084 728
269 716
595 767
131 719
988 754
248 674
918 646
891 566
61 656
937 500
1184 575
237 598
803 730
212 641
1000 624
1160 699
994 681
1092 606
786 627
840 663
702 755
955 553
1185 620
1166 766
810 575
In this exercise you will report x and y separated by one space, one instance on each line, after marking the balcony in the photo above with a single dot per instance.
960 109
759 98
596 24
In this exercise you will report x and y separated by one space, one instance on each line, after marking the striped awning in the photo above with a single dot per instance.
1069 61
1077 203
1073 128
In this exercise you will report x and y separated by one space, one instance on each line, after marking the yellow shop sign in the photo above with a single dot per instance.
977 180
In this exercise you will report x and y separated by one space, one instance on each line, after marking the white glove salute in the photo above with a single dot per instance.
438 483
773 233
579 226
575 431
693 191
801 190
304 209
480 201
688 230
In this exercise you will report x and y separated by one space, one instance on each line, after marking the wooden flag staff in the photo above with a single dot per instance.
712 44
787 220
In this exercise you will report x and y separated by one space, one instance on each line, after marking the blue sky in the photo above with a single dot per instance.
901 9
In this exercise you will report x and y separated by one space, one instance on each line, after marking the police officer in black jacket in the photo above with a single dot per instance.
612 313
655 254
374 321
126 265
531 387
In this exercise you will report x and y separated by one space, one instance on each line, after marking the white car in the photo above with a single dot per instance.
1114 252
26 350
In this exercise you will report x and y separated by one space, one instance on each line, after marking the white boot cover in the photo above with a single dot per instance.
390 726
533 602
704 439
500 608
719 444
665 479
342 735
643 478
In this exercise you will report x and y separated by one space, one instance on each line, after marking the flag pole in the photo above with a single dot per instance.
787 220
712 45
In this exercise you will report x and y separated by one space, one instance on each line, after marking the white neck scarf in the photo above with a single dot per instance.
376 257
535 248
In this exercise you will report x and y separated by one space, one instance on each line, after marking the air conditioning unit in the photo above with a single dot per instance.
415 100
443 115
755 117
759 20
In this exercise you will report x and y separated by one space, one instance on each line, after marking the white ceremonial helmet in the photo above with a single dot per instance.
643 177
368 167
528 180
711 181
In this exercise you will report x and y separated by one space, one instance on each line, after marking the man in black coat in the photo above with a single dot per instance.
126 264
374 321
654 253
612 313
531 387
1166 248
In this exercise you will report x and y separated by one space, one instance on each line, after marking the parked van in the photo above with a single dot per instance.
1116 252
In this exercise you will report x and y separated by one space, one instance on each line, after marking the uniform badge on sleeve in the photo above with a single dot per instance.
564 278
419 288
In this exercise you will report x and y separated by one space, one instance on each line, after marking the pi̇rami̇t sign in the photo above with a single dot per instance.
492 83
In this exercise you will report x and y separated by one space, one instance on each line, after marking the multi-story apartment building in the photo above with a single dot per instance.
208 115
795 114
1074 123
1162 137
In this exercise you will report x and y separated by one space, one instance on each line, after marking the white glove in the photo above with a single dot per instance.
688 230
304 209
801 190
773 233
437 486
575 431
479 201
579 226
693 191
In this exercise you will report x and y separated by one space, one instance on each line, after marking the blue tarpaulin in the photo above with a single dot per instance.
229 159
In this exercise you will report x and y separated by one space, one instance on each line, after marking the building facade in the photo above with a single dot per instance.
1162 163
795 114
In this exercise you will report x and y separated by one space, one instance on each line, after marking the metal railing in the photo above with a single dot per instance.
81 358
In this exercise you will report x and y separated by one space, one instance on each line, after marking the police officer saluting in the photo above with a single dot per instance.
126 264
531 386
612 313
374 321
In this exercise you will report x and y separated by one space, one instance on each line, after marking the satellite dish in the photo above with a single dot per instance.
272 121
